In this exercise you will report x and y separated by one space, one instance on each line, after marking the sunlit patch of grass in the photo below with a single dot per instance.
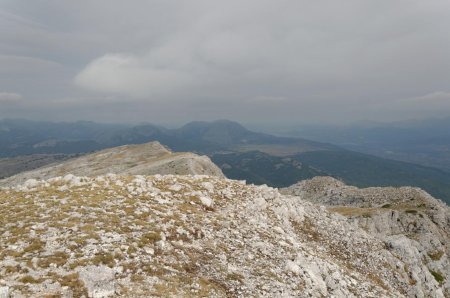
149 238
36 245
74 283
10 253
28 279
12 269
353 211
308 228
235 277
436 256
104 258
59 259
79 262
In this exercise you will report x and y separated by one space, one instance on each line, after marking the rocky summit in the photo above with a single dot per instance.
199 236
144 159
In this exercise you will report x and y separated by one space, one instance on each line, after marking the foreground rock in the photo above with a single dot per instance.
414 225
189 236
145 159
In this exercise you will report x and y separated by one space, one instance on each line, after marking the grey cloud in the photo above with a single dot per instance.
10 97
251 60
436 103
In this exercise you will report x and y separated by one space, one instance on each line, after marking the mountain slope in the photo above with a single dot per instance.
413 224
365 170
23 137
193 236
220 132
354 168
261 168
146 159
14 165
425 142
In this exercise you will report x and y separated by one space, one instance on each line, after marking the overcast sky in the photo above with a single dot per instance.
256 61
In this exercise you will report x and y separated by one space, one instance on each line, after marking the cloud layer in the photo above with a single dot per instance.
251 60
7 97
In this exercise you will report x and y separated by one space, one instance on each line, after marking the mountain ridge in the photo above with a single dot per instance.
144 159
197 136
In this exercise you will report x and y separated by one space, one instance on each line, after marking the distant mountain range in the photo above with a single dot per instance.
19 137
241 154
425 142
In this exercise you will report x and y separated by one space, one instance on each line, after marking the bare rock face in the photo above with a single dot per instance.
98 280
4 292
414 226
193 236
146 159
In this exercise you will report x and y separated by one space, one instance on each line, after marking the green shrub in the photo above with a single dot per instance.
438 276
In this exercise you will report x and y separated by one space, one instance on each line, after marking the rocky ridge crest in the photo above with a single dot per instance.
147 236
414 226
144 159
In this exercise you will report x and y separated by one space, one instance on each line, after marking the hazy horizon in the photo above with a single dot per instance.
267 127
268 62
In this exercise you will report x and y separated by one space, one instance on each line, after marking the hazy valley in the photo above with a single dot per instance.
425 141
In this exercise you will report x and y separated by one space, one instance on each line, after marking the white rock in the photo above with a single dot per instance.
176 187
63 188
292 267
161 244
66 292
119 269
99 281
208 186
31 183
68 177
260 203
206 201
149 250
4 292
